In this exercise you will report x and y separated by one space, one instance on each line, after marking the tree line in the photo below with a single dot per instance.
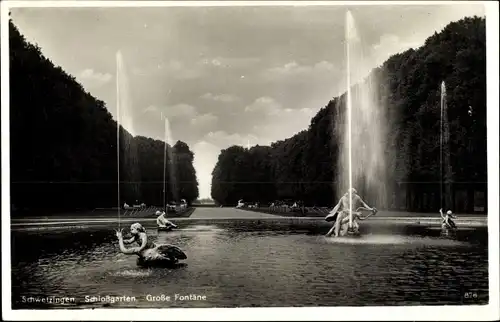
63 150
304 166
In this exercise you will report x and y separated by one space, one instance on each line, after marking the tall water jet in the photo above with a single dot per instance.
165 147
349 35
127 161
361 161
444 153
169 165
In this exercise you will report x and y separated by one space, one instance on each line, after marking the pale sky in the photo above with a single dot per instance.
224 75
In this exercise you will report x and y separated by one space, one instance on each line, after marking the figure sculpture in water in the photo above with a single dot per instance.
447 222
149 253
340 214
163 223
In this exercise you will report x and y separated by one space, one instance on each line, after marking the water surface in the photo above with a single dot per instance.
248 263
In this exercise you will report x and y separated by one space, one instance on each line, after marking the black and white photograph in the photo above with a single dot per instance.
322 160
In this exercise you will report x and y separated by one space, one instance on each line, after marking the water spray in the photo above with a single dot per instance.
443 98
118 58
349 111
165 166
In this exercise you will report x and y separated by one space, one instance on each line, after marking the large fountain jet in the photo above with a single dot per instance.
128 164
170 166
349 36
362 162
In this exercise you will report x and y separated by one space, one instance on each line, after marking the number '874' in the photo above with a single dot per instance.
470 295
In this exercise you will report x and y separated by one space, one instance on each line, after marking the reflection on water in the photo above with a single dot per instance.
256 263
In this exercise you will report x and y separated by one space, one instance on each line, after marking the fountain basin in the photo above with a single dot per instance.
231 261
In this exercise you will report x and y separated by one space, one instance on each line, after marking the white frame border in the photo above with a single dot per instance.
458 313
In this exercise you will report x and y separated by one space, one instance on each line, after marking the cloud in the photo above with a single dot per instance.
174 111
223 140
227 98
173 68
290 122
151 109
295 84
309 111
264 105
269 106
93 78
229 62
204 121
181 70
295 70
390 44
180 110
273 122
